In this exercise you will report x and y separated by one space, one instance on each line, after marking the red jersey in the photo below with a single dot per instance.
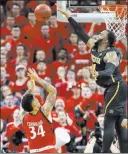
39 132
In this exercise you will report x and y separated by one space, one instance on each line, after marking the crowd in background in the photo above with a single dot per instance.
59 57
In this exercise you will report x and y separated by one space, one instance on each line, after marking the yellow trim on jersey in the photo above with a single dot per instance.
117 89
81 109
113 80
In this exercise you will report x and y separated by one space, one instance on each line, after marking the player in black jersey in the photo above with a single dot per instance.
106 60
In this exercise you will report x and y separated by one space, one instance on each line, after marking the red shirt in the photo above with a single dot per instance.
71 49
123 64
99 98
97 27
61 87
82 60
18 88
29 31
39 131
56 32
32 4
71 103
21 20
121 46
82 83
54 67
91 119
11 45
47 45
10 131
5 32
6 113
10 70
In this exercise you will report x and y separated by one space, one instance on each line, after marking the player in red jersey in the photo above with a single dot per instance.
37 122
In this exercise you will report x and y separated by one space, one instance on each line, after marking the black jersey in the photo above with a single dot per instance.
98 60
98 57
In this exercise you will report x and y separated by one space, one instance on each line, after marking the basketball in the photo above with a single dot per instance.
42 12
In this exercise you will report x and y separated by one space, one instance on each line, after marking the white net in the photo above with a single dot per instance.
116 23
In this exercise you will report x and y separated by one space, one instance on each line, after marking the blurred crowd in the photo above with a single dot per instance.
59 57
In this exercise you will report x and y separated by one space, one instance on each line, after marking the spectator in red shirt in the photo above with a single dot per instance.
3 50
92 85
2 13
4 77
46 42
20 84
60 107
99 96
24 61
19 19
39 57
74 99
9 69
71 79
84 73
83 58
62 60
6 30
60 82
11 43
55 27
72 45
42 70
32 27
20 54
5 91
9 104
63 122
14 133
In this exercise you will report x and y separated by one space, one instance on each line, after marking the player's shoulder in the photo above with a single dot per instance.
26 116
113 49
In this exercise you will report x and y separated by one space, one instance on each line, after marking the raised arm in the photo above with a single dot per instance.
90 42
50 100
29 91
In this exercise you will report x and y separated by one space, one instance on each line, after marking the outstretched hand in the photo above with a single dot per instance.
61 10
32 74
124 123
93 72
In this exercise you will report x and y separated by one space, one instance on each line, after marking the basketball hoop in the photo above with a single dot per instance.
116 23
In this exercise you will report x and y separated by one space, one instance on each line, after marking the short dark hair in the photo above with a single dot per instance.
15 4
16 25
27 102
111 38
21 45
30 10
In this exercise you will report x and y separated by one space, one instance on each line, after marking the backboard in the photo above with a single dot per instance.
85 10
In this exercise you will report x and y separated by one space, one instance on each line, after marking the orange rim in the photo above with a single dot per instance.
121 10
